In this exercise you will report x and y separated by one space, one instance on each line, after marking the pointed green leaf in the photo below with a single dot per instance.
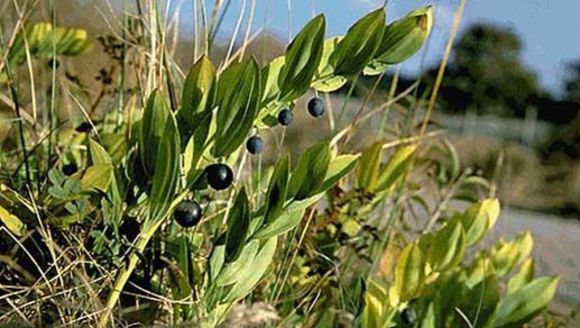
337 169
230 273
98 176
525 303
409 272
395 167
238 225
166 177
238 98
302 59
369 167
360 44
402 39
152 128
277 189
523 277
310 171
254 272
447 247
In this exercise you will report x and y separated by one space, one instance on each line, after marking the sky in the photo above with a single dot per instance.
549 29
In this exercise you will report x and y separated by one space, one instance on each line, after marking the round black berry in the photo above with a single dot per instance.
187 213
69 169
255 145
53 63
129 228
408 316
316 107
219 176
84 127
285 117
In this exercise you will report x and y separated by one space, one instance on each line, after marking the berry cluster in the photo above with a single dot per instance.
220 176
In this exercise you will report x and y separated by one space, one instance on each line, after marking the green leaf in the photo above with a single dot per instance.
523 277
98 154
369 167
402 39
216 261
277 189
360 44
254 272
337 169
238 98
238 225
288 219
325 80
43 39
198 88
478 219
231 271
310 171
154 119
447 247
166 177
12 222
409 272
197 100
270 74
98 176
302 59
395 167
525 303
505 256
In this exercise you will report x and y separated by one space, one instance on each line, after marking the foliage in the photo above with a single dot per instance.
306 236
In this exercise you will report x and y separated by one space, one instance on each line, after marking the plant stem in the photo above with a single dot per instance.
125 273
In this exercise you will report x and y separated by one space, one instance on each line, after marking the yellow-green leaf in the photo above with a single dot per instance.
98 176
12 222
447 247
410 272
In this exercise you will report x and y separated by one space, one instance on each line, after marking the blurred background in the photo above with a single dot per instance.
509 102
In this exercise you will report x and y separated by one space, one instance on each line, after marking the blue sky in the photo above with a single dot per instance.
549 28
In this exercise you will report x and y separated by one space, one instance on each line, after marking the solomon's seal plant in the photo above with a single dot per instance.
306 235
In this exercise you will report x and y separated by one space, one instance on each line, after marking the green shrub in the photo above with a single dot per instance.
304 236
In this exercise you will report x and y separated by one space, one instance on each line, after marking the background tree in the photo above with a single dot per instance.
486 74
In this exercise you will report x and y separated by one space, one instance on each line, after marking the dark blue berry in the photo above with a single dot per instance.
316 107
219 176
84 127
285 117
255 145
187 214
69 169
408 316
129 228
